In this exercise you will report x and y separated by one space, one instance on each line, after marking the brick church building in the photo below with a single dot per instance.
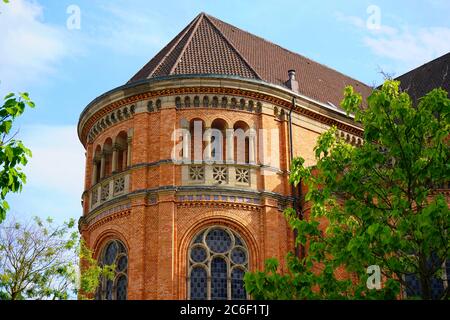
188 224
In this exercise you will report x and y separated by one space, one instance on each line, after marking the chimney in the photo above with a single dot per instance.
292 83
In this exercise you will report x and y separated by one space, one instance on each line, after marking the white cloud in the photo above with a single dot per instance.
361 24
407 46
411 48
58 158
55 173
135 31
30 49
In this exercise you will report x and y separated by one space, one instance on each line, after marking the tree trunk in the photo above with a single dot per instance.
425 281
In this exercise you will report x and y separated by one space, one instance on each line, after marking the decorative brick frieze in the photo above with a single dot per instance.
236 99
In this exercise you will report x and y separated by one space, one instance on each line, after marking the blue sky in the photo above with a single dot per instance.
64 69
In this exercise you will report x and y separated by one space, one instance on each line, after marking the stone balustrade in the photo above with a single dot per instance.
109 188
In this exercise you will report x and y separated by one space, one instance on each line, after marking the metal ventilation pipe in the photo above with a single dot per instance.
292 83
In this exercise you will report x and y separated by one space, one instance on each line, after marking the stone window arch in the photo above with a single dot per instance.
205 102
224 102
215 102
178 102
196 102
218 258
196 150
219 147
120 152
114 252
96 165
187 102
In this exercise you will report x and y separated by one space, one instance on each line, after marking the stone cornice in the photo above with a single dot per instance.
215 189
218 204
260 92
92 221
187 191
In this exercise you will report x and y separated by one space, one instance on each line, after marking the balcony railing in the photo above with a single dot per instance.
219 175
108 189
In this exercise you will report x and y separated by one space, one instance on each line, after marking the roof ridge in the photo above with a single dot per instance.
197 23
174 45
240 55
287 50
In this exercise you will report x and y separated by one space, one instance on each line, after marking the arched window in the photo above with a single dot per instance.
121 148
219 146
116 289
218 259
241 142
96 167
197 148
107 154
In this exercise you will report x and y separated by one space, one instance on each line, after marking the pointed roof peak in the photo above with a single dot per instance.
200 48
205 14
208 45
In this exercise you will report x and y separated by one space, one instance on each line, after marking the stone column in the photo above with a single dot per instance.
208 144
94 172
129 152
251 147
186 144
124 159
230 145
197 136
102 166
115 158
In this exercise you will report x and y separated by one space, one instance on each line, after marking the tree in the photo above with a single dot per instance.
91 272
40 260
36 260
372 205
13 154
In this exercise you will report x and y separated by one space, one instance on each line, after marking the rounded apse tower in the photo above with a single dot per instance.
188 224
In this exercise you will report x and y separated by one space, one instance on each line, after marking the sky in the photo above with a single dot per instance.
66 53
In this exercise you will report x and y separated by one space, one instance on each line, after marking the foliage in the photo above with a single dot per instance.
35 259
13 154
91 272
40 260
375 204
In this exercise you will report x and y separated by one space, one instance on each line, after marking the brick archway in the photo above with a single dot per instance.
220 220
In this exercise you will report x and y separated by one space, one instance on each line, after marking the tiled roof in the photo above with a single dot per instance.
433 74
210 46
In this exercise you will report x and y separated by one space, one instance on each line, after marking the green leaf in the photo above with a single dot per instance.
9 95
374 204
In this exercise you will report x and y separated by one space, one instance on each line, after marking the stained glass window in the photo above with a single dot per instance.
121 288
218 259
218 240
114 253
438 283
198 284
219 279
198 254
238 255
237 284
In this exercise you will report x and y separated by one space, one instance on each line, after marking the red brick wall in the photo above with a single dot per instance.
157 236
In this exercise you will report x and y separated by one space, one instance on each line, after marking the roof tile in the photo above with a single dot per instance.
210 46
434 74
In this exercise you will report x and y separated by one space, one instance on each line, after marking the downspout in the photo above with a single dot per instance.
297 198
291 157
